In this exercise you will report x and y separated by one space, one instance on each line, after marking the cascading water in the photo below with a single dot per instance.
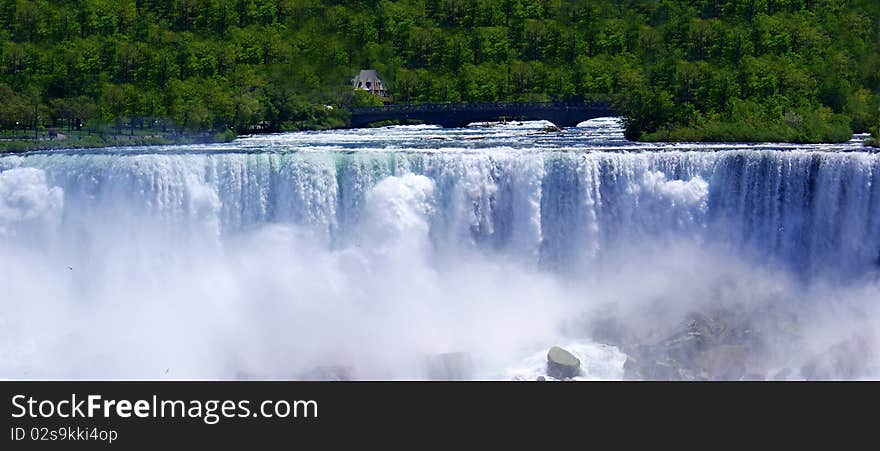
370 249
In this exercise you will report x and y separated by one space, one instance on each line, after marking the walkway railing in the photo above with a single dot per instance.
481 106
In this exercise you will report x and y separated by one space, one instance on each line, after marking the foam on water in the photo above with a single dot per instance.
598 362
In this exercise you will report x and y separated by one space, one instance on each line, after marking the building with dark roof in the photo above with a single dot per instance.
368 80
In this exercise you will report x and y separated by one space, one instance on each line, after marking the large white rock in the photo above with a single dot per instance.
562 364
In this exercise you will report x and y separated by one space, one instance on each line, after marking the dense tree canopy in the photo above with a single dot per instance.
801 70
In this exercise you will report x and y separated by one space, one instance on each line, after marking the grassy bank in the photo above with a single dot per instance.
750 122
874 140
733 132
16 145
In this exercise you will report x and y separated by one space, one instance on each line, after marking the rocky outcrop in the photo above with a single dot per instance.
703 347
562 364
739 343
648 367
853 357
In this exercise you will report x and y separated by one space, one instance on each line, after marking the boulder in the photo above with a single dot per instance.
562 364
450 366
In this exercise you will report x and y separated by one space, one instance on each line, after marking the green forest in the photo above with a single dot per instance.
710 70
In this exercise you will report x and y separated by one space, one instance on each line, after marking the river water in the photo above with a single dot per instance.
376 249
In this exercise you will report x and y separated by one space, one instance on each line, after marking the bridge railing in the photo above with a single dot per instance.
481 106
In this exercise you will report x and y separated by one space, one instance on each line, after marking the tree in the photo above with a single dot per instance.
212 64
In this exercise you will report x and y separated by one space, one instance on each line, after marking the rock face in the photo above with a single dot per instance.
451 366
852 357
562 364
701 348
736 343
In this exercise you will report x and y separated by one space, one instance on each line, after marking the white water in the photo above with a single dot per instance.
374 249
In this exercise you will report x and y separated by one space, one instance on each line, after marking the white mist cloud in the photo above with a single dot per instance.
274 301
27 201
690 193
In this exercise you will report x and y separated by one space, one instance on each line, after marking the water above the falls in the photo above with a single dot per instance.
372 249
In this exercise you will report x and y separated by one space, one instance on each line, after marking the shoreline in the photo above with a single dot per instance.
14 146
871 145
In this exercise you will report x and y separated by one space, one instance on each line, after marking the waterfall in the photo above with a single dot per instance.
370 251
811 211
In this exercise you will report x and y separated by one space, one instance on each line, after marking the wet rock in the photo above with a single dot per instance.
850 358
702 347
451 366
698 333
562 364
650 369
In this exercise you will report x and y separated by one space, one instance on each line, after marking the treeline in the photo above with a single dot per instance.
799 70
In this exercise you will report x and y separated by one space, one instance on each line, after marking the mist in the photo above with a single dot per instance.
271 302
